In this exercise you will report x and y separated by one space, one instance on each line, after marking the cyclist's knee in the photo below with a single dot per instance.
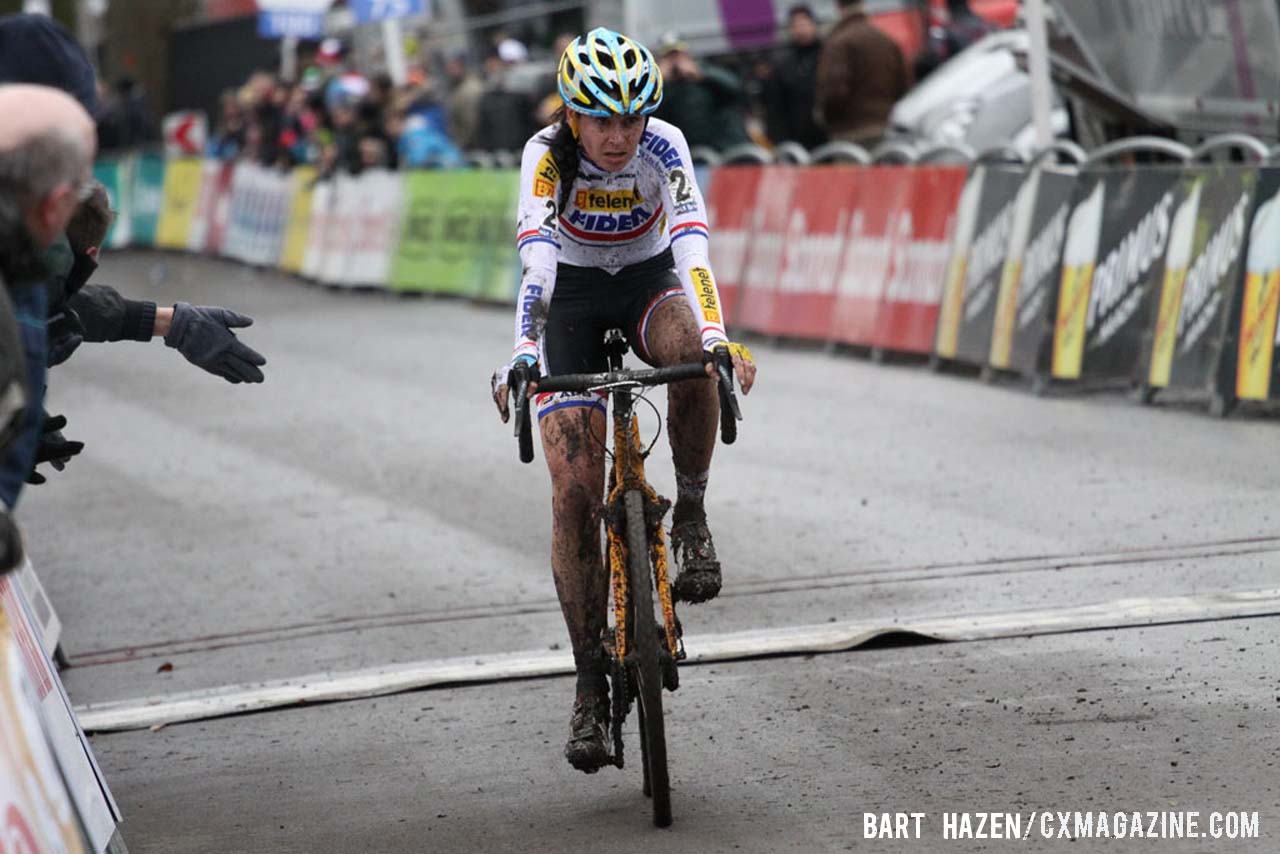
672 336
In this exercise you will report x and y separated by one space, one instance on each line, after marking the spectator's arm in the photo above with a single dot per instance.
107 316
725 83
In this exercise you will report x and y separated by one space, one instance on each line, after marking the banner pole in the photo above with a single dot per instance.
1041 88
289 59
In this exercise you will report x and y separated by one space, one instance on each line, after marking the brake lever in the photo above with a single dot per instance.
518 381
724 369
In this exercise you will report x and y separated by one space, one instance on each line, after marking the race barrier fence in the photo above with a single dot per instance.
1063 269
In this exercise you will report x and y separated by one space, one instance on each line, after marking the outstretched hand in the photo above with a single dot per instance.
202 334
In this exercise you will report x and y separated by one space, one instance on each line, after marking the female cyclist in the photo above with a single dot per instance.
612 234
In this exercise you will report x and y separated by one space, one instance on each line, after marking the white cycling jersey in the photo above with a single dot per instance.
613 220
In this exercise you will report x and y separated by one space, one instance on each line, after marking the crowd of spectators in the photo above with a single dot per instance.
807 89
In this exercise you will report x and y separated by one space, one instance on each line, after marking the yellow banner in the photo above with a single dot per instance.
952 304
1006 313
1069 331
299 227
1167 327
179 198
1257 335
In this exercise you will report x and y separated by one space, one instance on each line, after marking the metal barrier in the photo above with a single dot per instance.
1001 154
1060 148
894 152
944 152
792 152
705 154
836 152
748 152
1140 144
1231 142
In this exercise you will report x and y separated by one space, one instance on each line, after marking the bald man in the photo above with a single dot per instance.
47 144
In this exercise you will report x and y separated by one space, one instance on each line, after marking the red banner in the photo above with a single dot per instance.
731 200
921 239
867 258
822 206
768 232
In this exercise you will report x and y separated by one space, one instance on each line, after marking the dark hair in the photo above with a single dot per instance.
88 225
801 9
564 151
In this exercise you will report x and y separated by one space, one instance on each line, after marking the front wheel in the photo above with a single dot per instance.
642 646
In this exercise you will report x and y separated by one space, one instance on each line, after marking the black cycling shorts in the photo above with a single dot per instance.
587 302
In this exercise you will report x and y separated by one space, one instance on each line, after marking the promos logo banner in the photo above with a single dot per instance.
984 225
1256 358
1112 263
1202 267
768 229
1029 278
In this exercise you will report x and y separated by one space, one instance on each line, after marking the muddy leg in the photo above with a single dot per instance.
692 407
570 443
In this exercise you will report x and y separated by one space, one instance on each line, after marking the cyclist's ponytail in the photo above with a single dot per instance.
564 150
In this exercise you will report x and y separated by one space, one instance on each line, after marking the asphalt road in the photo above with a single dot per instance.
364 507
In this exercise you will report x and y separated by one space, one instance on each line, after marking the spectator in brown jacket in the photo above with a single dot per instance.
861 74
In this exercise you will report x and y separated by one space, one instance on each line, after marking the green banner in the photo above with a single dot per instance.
113 174
422 262
145 199
497 264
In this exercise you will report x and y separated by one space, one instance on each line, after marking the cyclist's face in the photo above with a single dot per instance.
610 141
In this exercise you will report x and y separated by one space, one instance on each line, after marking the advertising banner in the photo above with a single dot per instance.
338 237
867 259
457 244
1112 266
416 264
908 315
731 200
79 769
218 210
317 231
114 176
1032 267
145 197
235 238
1257 365
295 235
822 204
984 224
497 264
1202 274
179 201
38 812
374 228
769 220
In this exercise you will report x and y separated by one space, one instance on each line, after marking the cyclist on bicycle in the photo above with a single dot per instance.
612 233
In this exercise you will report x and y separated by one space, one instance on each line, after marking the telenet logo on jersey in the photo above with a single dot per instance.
706 288
607 200
546 176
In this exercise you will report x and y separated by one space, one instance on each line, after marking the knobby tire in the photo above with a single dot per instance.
643 647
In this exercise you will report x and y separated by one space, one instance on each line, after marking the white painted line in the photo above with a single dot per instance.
797 640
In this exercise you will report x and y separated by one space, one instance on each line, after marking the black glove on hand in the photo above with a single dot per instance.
64 337
10 543
202 334
53 448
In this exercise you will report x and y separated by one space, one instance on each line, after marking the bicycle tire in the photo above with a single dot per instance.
643 645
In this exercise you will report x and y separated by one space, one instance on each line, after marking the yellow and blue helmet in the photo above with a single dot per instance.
604 73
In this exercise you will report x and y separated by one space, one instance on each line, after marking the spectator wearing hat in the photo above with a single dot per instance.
702 100
861 75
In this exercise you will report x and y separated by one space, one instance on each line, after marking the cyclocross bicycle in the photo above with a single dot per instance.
642 650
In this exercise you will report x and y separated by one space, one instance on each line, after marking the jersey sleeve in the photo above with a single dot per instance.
689 241
538 241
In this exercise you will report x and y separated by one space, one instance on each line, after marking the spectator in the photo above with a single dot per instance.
126 121
702 100
229 136
861 75
960 28
791 82
506 115
463 108
545 112
47 143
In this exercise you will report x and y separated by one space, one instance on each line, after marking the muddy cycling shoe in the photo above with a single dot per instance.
588 747
699 579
